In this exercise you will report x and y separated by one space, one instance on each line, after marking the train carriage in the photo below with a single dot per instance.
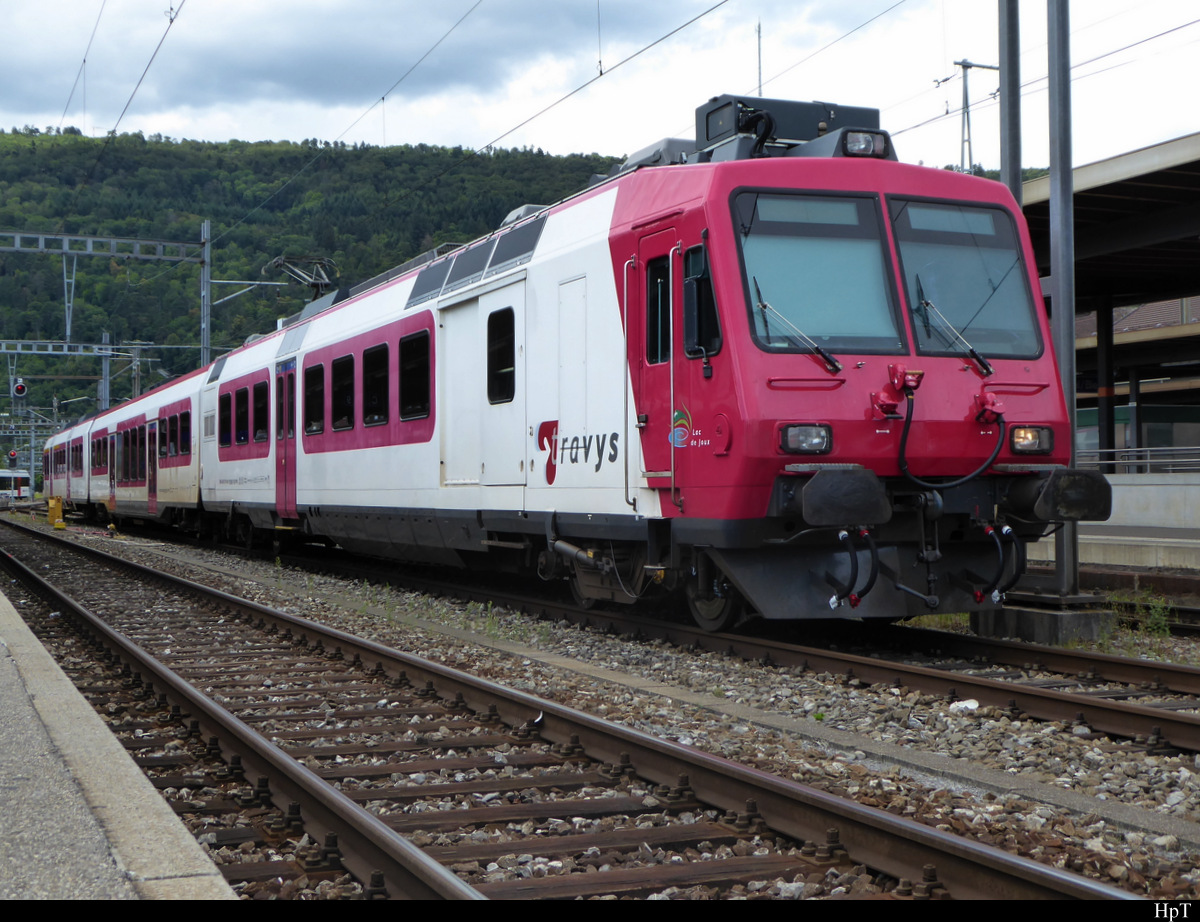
774 370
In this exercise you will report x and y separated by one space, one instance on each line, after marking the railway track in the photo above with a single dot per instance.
459 788
1154 703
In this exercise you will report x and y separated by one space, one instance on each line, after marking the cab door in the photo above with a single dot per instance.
653 348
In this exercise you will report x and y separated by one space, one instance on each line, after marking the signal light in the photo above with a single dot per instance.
20 389
12 457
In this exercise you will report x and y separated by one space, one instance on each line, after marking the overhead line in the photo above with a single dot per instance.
826 47
321 153
82 64
172 15
1036 80
587 83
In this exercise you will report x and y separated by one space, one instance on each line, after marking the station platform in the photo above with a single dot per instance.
1155 525
78 819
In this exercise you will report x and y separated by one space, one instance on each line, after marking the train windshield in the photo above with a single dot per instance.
816 273
965 281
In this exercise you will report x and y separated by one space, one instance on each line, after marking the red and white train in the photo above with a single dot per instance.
775 370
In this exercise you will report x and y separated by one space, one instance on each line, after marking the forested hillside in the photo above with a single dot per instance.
367 208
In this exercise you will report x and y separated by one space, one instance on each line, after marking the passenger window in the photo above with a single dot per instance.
342 391
226 421
173 439
501 356
262 410
185 432
658 311
414 376
163 425
279 414
241 415
375 386
314 400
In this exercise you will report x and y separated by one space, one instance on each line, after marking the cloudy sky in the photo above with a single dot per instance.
259 70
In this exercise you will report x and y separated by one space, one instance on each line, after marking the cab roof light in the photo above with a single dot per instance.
859 143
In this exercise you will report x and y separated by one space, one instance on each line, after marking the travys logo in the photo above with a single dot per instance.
593 450
681 428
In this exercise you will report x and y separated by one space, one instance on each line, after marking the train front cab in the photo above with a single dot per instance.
846 397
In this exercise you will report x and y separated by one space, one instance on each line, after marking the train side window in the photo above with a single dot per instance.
163 426
314 400
279 407
341 389
185 432
701 327
501 356
225 428
291 405
241 415
414 376
375 385
173 436
141 440
658 311
262 410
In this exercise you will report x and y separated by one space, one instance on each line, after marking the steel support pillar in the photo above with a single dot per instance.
1106 384
1062 257
1010 98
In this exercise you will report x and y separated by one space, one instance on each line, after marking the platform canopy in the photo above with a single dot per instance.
1137 246
1137 225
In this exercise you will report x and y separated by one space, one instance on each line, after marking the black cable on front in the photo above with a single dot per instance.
925 484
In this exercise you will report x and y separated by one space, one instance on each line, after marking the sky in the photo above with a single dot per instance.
475 72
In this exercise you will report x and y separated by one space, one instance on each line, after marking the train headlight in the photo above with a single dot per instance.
1032 440
806 439
865 144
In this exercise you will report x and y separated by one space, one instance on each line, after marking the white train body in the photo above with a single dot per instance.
419 478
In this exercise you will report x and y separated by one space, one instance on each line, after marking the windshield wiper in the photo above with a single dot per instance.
926 309
832 364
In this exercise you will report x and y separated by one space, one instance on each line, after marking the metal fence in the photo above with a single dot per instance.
1173 460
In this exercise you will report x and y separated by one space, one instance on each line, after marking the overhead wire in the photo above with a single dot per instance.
82 66
829 45
322 152
172 16
823 48
470 152
587 83
1026 87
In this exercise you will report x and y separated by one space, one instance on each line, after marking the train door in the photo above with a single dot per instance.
285 439
151 449
652 339
483 383
502 319
460 369
114 461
